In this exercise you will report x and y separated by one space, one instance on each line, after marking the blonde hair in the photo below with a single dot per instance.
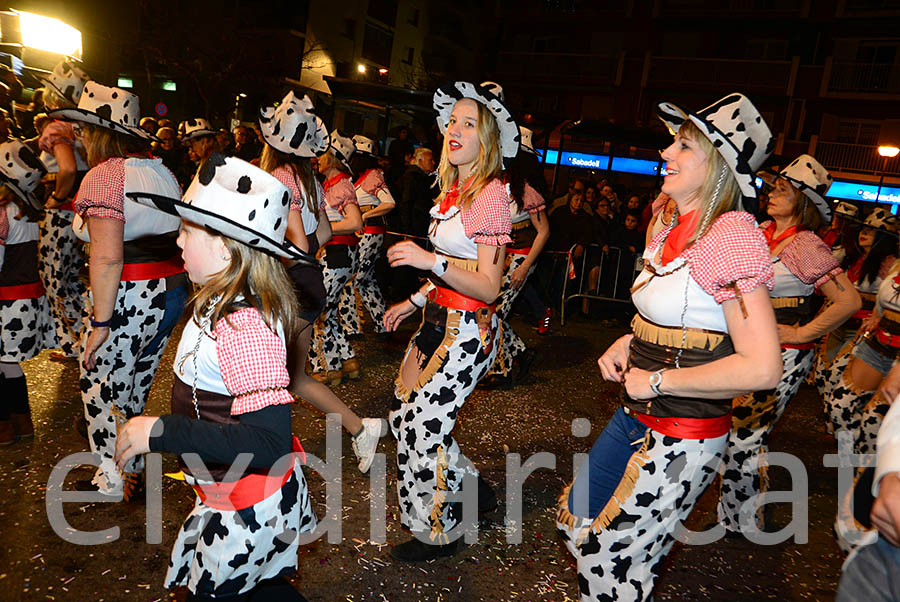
255 279
488 165
719 177
332 162
210 145
101 144
272 158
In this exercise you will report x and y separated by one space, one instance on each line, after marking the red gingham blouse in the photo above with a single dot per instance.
284 175
486 221
532 200
733 251
102 191
56 132
252 359
339 192
808 258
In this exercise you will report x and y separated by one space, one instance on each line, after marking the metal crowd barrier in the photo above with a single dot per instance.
610 265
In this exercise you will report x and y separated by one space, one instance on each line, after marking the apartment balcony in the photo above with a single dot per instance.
859 158
730 8
862 78
725 75
595 69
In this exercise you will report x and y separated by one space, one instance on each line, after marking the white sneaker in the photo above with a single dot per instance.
365 443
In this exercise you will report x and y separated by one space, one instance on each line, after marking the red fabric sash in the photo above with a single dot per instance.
687 428
151 271
343 239
248 490
22 291
452 299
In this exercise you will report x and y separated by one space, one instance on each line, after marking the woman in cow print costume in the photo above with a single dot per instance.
457 341
530 231
704 333
137 282
230 395
26 326
61 255
878 242
332 356
293 135
375 201
803 263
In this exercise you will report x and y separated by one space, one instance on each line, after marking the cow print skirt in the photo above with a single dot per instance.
220 553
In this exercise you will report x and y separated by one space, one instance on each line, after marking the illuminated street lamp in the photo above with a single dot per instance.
888 147
888 151
360 67
48 34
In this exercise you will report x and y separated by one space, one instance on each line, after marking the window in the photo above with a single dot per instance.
410 56
377 45
851 131
349 29
384 10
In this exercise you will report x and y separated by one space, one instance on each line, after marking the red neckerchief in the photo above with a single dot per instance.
769 232
334 180
855 270
363 177
452 197
141 155
677 239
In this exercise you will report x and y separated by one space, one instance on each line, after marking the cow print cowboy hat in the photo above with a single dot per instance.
21 171
809 177
236 200
490 95
737 130
195 128
111 108
67 81
293 128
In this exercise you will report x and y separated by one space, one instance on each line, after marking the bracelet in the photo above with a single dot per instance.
56 198
417 296
440 265
98 324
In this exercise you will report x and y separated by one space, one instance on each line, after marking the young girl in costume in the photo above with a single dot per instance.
375 202
26 326
704 333
230 393
457 341
287 157
332 357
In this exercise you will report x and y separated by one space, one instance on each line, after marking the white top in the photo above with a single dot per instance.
888 454
20 230
787 284
888 294
448 235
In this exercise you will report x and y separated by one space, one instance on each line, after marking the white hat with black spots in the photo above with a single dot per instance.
237 200
526 142
737 131
364 145
293 128
343 147
846 210
21 171
490 94
67 80
880 219
195 128
808 176
111 108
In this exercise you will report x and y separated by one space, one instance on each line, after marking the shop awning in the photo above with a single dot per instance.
388 97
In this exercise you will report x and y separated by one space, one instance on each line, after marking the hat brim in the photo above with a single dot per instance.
446 96
48 84
822 206
89 117
28 197
222 225
198 134
317 147
673 116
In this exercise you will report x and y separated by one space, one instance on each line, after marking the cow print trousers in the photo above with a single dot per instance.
753 417
116 388
619 551
60 261
364 283
511 344
455 352
331 347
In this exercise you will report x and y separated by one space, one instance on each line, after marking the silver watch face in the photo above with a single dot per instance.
655 379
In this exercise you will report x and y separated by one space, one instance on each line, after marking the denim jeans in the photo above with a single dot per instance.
607 460
872 575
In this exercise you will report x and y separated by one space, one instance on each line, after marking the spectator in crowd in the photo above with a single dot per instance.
165 123
399 153
226 141
149 125
577 186
10 127
200 137
615 205
246 146
569 226
173 155
411 215
601 222
591 194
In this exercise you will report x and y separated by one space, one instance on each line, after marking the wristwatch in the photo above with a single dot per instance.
656 381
